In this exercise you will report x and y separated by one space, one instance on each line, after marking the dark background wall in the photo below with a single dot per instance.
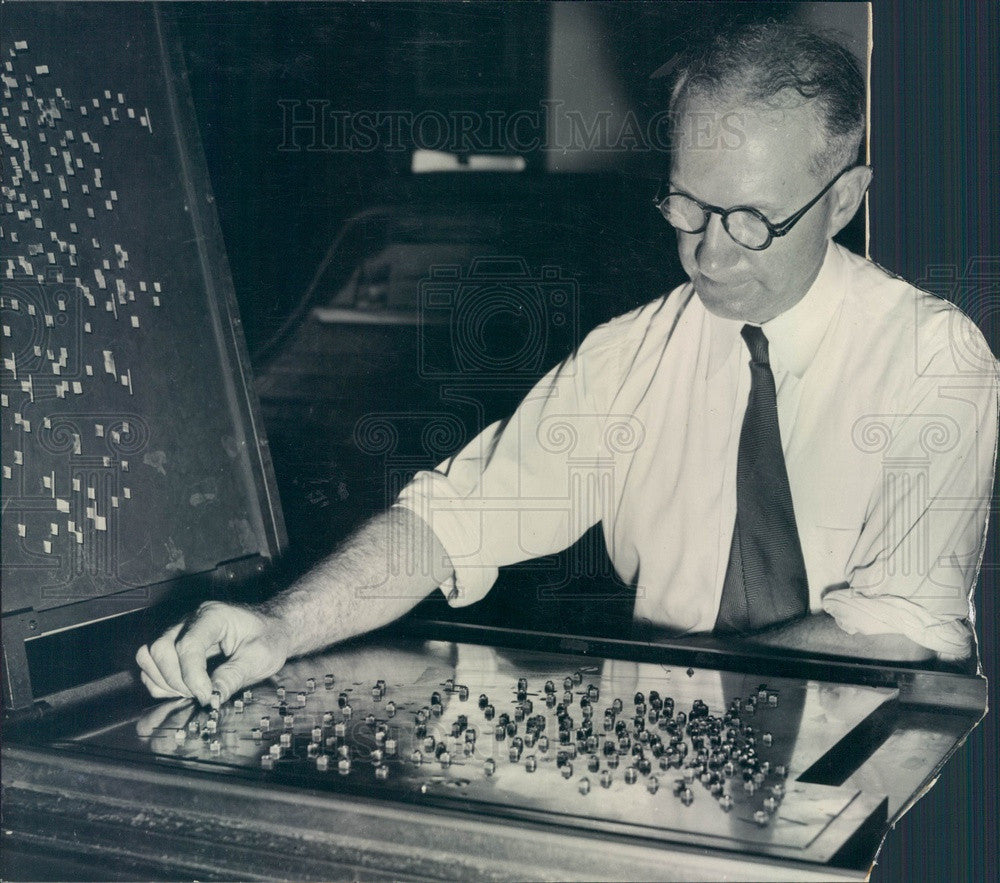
935 219
284 198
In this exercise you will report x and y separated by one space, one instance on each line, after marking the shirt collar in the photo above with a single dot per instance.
793 336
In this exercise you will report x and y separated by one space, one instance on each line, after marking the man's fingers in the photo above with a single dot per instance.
151 672
199 642
155 690
164 653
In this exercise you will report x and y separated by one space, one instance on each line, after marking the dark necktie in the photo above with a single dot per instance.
766 579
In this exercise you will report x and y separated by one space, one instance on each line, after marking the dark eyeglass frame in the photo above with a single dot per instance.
773 230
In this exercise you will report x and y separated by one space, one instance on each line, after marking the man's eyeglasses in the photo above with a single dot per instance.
745 224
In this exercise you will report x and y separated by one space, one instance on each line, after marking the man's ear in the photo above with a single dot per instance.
846 196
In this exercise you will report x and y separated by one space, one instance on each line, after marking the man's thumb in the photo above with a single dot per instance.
228 678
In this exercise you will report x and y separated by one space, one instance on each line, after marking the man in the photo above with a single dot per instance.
793 446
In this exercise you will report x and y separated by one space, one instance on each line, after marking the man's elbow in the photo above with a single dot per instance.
898 648
884 647
822 634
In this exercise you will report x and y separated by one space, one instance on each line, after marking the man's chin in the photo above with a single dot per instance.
733 308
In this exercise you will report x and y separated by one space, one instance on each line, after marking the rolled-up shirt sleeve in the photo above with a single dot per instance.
515 493
914 568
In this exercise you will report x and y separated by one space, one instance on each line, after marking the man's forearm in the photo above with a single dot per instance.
379 573
820 633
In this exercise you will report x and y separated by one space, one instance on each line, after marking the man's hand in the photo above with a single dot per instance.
373 579
176 664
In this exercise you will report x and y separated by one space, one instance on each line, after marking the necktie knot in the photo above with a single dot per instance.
756 342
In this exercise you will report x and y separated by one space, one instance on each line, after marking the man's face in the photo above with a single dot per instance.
731 156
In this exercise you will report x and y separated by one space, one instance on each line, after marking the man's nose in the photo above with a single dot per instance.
717 252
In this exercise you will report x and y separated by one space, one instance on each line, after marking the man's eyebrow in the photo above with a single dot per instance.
768 209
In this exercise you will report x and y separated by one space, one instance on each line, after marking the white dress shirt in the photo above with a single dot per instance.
887 404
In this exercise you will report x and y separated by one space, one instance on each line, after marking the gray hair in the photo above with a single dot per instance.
779 65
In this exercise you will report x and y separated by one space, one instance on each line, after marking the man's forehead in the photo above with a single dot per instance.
741 148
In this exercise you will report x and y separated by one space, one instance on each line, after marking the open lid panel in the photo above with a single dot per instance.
133 455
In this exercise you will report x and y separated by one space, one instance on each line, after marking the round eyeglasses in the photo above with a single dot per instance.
746 225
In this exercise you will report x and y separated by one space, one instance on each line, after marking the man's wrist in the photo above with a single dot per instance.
276 627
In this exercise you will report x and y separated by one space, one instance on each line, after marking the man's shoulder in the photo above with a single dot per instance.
654 320
627 347
895 313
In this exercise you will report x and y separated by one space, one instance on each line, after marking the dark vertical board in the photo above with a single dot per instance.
131 450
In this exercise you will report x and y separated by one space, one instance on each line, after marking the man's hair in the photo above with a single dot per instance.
778 65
